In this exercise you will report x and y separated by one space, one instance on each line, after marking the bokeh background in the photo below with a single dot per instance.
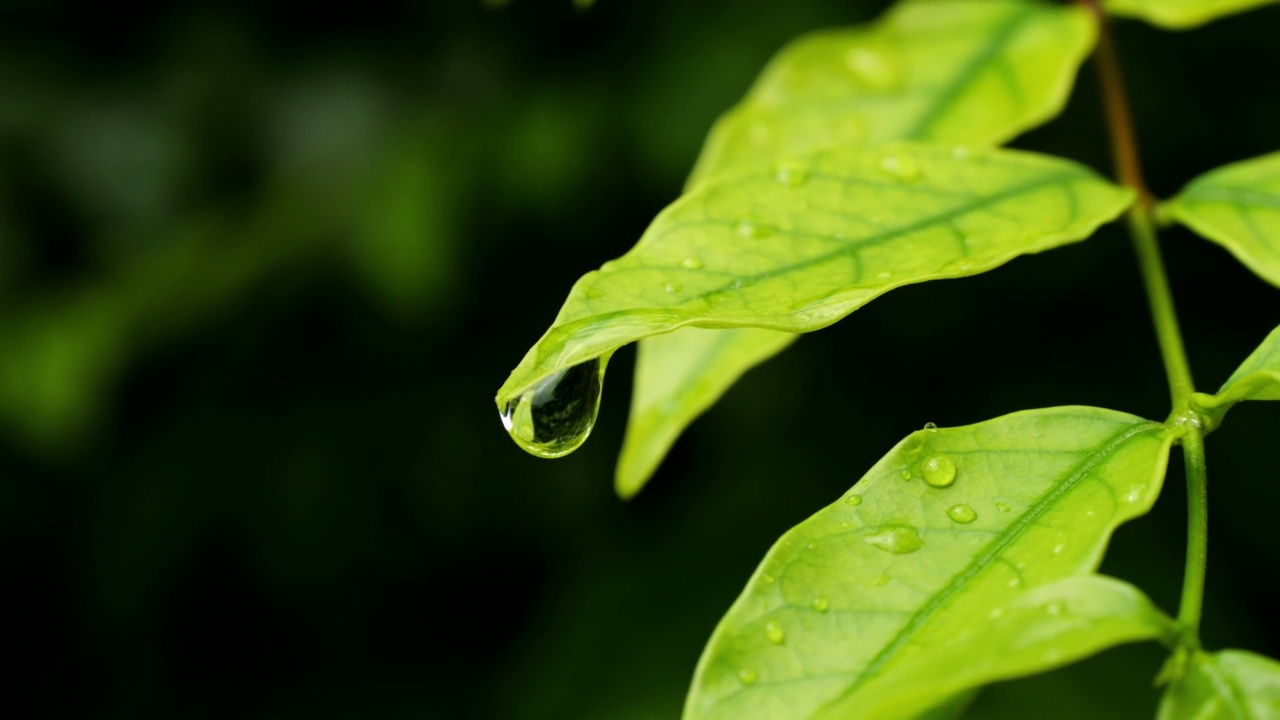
263 266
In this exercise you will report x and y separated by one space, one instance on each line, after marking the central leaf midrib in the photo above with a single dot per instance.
986 558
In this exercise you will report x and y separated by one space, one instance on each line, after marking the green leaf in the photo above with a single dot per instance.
1257 378
670 392
964 72
1227 685
975 72
882 604
799 247
1238 207
1181 14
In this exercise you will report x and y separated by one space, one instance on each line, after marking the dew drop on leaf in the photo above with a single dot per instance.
962 514
939 471
897 539
905 474
673 287
749 228
901 167
555 416
853 500
773 632
748 676
792 176
1002 507
820 604
1054 608
767 578
931 427
691 263
873 69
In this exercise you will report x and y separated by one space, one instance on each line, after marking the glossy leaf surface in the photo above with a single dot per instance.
975 72
1257 378
964 556
1227 685
1238 207
1181 14
797 247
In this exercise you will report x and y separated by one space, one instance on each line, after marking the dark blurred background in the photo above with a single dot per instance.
262 268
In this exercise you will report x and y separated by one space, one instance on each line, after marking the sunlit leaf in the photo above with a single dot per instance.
798 247
974 72
1257 378
1238 207
1227 685
670 392
1181 14
963 557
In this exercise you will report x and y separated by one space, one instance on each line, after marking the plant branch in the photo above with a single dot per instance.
1124 147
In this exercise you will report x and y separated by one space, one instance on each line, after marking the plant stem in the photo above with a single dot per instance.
1124 147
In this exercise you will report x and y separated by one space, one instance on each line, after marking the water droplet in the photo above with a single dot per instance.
672 287
792 176
773 632
748 676
1057 549
753 229
901 167
555 416
939 471
897 539
768 579
812 545
960 152
884 275
593 293
873 68
853 500
1135 493
995 613
913 444
931 427
846 525
880 580
691 263
1002 507
1014 583
905 474
962 514
1054 608
820 604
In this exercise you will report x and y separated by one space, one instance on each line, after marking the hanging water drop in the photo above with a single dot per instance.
939 471
773 633
962 514
896 539
555 416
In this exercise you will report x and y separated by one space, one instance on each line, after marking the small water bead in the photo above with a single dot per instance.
884 275
593 293
905 474
812 545
768 579
1135 493
960 152
901 167
673 287
995 613
792 176
555 416
962 514
939 471
773 633
748 676
1054 608
931 427
1057 549
691 263
896 539
853 500
1002 507
846 525
820 604
749 228
873 68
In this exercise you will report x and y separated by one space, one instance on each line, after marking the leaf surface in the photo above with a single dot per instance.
1227 685
1238 207
882 604
1257 378
1181 14
975 72
799 247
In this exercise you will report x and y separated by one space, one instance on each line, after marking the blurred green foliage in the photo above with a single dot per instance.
261 270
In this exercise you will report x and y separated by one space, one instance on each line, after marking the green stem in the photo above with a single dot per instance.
1124 147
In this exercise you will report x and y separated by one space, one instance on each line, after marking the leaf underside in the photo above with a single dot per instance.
1181 14
1238 207
1257 378
885 605
974 73
799 247
1226 685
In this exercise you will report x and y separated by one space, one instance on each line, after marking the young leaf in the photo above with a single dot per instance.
976 72
965 72
1227 685
669 392
1257 378
1181 14
1238 207
798 247
964 556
